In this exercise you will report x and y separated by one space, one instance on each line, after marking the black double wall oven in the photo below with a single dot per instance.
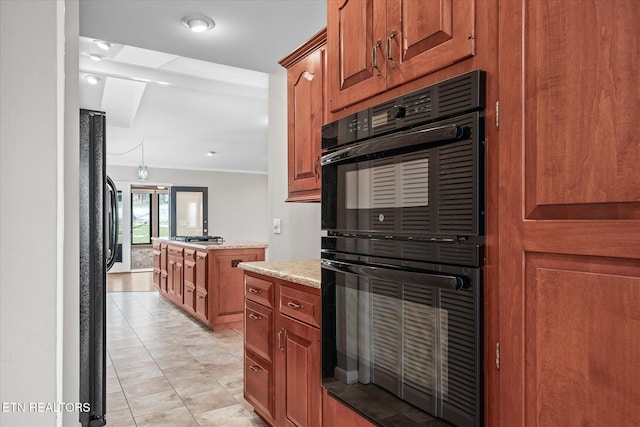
403 209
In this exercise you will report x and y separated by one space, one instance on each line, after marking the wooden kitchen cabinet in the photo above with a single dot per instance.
298 391
282 351
206 283
175 263
305 117
189 286
373 46
160 266
201 285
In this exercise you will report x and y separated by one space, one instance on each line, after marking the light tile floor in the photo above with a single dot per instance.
165 369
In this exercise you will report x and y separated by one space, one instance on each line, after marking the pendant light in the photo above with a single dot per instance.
142 169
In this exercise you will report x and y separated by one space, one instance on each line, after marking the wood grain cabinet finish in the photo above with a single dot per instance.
207 283
305 117
373 46
289 336
201 285
569 253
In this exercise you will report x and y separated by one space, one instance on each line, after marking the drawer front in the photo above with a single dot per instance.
300 305
189 254
259 290
259 384
156 278
175 251
202 303
189 272
258 334
189 297
157 258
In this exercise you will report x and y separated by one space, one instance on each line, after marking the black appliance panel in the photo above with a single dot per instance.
407 337
423 183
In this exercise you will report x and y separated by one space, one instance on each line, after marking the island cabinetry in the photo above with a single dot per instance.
160 266
204 279
201 285
175 271
282 350
189 286
305 117
374 46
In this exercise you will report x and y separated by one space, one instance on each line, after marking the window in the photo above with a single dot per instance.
189 211
149 214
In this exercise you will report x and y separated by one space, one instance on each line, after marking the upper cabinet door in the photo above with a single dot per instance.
355 49
375 45
424 36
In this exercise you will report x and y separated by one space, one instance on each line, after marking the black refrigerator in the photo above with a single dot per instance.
98 246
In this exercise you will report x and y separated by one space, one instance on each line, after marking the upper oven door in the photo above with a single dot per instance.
423 183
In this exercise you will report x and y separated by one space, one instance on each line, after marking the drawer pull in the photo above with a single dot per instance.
280 339
255 291
255 368
294 305
253 316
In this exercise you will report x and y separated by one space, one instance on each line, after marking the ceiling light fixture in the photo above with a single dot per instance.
198 23
104 45
95 57
142 169
91 79
210 153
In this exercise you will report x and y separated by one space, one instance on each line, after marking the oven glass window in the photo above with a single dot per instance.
409 348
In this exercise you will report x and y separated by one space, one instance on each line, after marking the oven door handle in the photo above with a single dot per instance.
416 137
434 280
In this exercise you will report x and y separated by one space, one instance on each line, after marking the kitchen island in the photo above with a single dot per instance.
203 278
282 341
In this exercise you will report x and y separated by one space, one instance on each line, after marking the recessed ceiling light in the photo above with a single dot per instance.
210 153
95 57
198 23
104 45
91 79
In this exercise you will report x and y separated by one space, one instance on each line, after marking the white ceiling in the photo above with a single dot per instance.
187 93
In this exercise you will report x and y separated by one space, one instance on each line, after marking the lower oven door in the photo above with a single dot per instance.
402 345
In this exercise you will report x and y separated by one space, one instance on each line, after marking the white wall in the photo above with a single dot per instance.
300 236
38 271
237 201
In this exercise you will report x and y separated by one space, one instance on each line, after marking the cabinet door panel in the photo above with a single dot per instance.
230 298
305 86
201 270
424 36
202 304
355 32
299 374
569 228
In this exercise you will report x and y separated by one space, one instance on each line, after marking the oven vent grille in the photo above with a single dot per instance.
456 95
456 199
462 385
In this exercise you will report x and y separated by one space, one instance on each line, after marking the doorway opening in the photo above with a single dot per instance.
149 218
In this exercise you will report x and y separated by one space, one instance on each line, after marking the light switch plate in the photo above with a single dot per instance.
277 227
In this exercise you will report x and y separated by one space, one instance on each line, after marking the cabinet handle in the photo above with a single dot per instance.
389 56
255 369
253 316
294 305
374 56
255 291
280 339
316 162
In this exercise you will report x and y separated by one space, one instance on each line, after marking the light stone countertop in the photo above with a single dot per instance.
227 244
303 271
